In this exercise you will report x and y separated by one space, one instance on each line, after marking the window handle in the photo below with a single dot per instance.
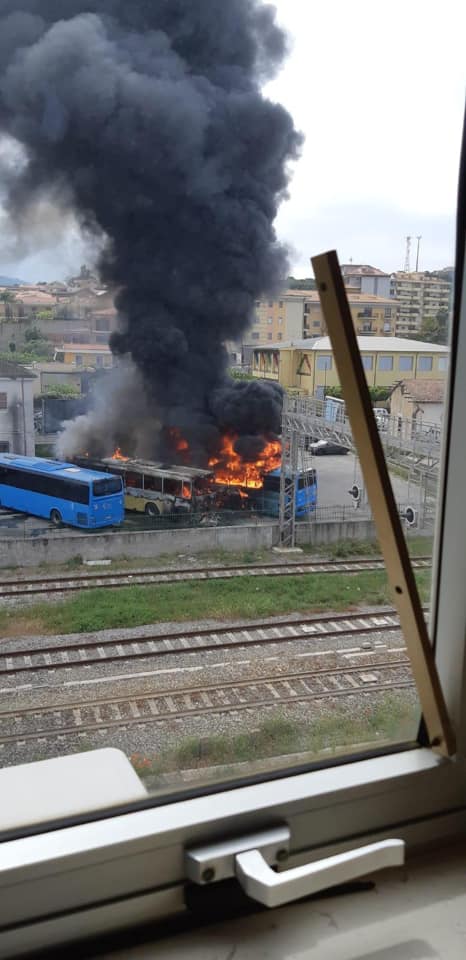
262 883
250 858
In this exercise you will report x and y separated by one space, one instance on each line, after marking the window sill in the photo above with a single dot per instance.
414 795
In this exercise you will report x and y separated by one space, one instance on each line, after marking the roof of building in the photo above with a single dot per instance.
55 366
15 371
361 270
84 348
32 296
423 391
366 345
353 297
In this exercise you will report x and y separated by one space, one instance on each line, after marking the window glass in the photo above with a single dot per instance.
425 363
172 487
103 488
405 363
153 483
385 363
324 363
205 205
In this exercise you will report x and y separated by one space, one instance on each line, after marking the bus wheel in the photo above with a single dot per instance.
151 510
55 517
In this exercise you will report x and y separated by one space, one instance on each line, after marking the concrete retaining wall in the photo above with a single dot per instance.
58 549
109 546
333 531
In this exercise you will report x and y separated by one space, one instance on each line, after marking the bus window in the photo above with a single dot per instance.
172 487
271 484
307 479
102 488
133 480
152 483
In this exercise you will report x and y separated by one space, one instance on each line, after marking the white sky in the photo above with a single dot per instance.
378 90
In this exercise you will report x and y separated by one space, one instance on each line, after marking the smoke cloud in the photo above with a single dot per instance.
147 120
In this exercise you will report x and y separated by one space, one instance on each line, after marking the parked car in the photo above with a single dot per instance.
381 417
323 447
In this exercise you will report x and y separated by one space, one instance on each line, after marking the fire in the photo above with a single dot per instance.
186 491
118 455
178 440
230 469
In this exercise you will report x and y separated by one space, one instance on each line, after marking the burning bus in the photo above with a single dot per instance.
157 488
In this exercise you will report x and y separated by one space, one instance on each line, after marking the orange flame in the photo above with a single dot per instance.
179 441
117 455
230 469
186 491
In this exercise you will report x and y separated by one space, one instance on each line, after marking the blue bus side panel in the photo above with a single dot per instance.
109 512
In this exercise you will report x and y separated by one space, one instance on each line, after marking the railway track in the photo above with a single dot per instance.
47 585
42 723
107 650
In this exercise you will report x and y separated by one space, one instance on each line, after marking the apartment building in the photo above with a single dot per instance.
362 278
420 296
309 366
298 314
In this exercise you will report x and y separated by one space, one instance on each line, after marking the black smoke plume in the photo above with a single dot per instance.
146 118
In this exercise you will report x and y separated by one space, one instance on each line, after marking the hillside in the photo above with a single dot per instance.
9 281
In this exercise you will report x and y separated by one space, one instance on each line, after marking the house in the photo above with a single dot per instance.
91 356
418 400
16 409
51 374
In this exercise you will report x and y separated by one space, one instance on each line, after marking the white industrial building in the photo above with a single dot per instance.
16 409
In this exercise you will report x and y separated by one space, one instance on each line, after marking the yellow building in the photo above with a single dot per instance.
87 356
309 366
298 314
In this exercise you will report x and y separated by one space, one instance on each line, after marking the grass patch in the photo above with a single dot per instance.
246 597
391 718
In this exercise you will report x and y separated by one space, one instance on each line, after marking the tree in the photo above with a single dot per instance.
61 390
33 334
306 283
7 297
434 329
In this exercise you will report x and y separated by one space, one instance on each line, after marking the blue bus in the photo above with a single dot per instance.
305 495
61 492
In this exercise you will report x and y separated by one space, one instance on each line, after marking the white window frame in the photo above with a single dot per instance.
107 874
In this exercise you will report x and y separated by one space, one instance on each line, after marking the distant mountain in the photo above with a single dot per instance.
9 281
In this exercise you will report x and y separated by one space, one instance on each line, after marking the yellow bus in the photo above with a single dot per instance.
157 488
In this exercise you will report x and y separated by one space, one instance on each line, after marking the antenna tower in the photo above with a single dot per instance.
408 249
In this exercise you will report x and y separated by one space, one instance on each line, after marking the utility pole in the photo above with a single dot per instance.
408 249
417 252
